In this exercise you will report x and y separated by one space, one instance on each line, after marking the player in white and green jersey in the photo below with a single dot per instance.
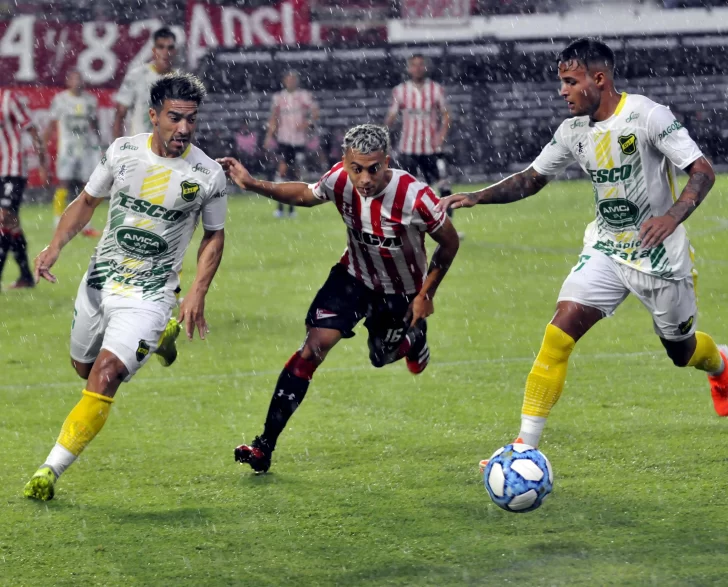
74 118
630 147
158 186
133 93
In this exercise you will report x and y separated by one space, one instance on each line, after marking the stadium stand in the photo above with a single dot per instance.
503 95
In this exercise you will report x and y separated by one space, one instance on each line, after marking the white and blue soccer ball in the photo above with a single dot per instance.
518 477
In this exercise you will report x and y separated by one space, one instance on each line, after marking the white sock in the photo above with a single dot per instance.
531 429
59 459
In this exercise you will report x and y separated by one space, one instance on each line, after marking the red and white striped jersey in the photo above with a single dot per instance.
386 232
293 110
421 107
14 119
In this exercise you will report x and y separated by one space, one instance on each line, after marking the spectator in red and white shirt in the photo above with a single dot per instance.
425 124
15 119
293 114
382 277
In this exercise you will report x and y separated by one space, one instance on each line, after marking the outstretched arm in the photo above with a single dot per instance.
192 309
511 189
702 178
76 216
448 244
295 193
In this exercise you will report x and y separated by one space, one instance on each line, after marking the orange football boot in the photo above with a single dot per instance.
719 385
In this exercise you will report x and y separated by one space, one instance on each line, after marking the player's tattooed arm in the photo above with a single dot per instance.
511 189
295 193
701 179
657 229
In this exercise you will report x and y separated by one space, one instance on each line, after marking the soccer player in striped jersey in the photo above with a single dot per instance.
159 186
293 114
15 119
382 277
630 147
425 124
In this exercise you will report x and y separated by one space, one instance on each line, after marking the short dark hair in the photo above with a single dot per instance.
176 86
164 33
589 52
417 56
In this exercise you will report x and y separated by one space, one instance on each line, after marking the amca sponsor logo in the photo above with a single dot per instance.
618 212
138 242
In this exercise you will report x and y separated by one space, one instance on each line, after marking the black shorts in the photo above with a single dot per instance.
343 301
11 193
288 153
422 166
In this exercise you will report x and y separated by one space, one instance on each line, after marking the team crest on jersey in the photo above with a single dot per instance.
628 144
189 190
142 351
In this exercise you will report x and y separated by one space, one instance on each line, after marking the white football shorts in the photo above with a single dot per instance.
76 166
600 282
127 327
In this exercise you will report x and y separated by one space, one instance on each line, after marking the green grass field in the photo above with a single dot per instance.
375 481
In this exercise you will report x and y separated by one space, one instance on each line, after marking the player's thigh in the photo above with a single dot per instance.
133 330
340 304
88 164
11 196
67 167
594 282
386 323
672 303
428 164
408 163
87 327
287 154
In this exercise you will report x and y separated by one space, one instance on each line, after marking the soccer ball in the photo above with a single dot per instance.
518 477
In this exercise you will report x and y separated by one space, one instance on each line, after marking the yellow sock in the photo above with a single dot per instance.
59 201
706 356
548 374
85 421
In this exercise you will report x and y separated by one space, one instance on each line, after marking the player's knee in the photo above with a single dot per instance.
379 353
679 358
315 349
109 370
302 366
8 219
82 369
377 360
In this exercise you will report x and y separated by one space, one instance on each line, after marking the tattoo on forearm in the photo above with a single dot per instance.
694 193
514 188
